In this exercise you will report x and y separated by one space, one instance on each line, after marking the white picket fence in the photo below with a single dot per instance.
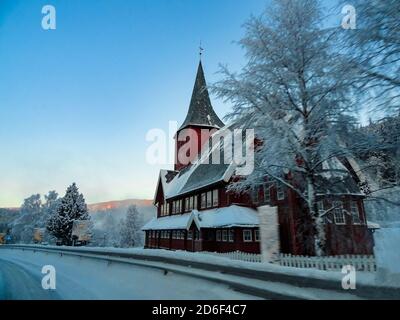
238 255
359 262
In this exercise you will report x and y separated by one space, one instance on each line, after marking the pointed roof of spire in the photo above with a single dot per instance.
201 112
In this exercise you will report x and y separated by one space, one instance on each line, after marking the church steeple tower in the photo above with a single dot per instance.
201 112
200 117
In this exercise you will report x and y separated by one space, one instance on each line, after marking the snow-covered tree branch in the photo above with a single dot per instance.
295 91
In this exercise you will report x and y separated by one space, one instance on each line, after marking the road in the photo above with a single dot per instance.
83 279
16 283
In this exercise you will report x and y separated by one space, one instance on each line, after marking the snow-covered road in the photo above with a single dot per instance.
80 278
18 283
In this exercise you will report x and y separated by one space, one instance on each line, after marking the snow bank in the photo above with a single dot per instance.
387 254
203 257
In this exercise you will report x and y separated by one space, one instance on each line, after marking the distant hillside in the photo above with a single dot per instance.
107 215
122 204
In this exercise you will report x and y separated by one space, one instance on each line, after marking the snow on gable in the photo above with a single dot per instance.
199 174
334 168
336 179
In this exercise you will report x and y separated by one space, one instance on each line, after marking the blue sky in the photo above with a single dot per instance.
76 102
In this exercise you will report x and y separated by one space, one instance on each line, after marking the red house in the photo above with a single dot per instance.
196 212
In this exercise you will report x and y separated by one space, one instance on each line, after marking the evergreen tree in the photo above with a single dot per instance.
72 207
130 232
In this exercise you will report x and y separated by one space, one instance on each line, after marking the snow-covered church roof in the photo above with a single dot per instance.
227 217
202 172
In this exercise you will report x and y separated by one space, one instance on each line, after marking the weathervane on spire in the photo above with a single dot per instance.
200 50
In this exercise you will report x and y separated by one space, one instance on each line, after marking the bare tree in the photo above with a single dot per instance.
294 91
375 50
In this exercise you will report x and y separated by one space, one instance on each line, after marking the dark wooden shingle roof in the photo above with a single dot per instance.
201 112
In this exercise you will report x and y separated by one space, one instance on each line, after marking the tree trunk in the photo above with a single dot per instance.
318 223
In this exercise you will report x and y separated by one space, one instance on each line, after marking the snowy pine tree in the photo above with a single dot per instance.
72 207
130 233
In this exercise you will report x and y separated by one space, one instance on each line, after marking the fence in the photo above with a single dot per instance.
238 255
359 262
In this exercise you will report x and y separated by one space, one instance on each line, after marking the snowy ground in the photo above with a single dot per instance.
77 278
362 277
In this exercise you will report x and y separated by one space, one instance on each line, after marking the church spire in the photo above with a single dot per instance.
201 112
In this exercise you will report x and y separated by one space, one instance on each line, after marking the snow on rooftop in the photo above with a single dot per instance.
177 222
233 216
373 225
333 167
203 172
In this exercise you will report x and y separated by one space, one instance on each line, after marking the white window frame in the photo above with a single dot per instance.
248 232
162 210
209 199
231 235
224 235
257 235
256 196
338 210
356 213
191 203
267 191
203 201
280 192
187 204
215 198
189 235
195 202
218 236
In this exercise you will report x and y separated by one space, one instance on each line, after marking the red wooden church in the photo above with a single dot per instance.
195 212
